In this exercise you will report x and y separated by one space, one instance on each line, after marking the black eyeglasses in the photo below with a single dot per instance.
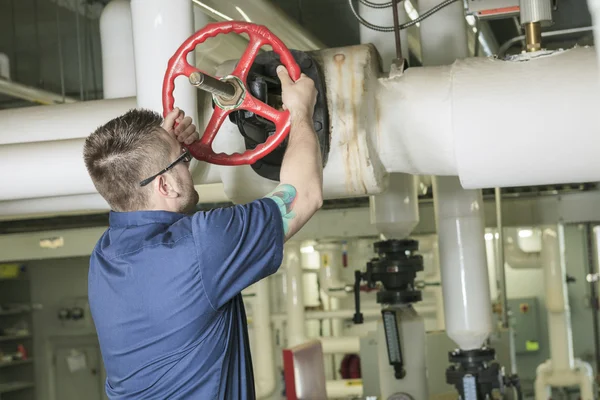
185 157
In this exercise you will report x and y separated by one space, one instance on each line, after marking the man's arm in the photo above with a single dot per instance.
300 193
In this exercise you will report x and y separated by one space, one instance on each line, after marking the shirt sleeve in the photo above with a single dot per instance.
237 246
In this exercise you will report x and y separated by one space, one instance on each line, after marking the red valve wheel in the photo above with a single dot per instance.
243 99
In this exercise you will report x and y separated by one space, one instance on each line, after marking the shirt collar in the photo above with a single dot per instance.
136 218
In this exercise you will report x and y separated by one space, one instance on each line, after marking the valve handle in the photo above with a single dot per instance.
178 65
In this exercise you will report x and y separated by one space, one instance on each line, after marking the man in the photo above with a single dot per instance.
164 282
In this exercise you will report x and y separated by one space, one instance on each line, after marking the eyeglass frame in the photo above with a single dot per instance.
184 157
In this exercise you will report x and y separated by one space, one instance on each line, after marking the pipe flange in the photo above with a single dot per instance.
395 246
399 297
476 356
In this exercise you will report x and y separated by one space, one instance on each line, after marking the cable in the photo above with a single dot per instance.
377 28
376 5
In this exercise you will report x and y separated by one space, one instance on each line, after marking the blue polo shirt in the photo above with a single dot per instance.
164 292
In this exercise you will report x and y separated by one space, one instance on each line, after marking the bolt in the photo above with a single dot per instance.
196 78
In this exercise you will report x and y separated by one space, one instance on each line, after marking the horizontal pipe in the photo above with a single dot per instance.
348 314
32 94
472 92
342 314
377 126
340 345
344 388
88 203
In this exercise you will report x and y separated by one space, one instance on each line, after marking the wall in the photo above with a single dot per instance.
54 282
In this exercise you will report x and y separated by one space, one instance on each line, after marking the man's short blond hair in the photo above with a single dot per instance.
123 152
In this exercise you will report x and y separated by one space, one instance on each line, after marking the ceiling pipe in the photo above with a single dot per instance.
4 66
32 94
262 12
116 41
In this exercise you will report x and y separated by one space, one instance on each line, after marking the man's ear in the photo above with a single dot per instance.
164 187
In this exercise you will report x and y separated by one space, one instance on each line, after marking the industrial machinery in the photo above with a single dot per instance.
474 373
396 268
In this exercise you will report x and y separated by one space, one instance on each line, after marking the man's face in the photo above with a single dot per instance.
184 184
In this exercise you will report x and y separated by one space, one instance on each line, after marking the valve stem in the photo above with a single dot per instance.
212 85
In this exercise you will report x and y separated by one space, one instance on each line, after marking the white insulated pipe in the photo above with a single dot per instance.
344 388
562 370
330 254
340 344
89 203
405 124
432 120
594 9
263 357
53 147
4 66
296 330
458 212
395 212
116 40
465 286
32 94
159 28
557 302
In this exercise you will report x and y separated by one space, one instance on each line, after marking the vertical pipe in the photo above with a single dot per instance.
500 261
116 40
159 28
593 240
594 9
79 63
459 212
395 212
14 39
36 23
557 303
329 271
263 356
61 67
467 303
296 332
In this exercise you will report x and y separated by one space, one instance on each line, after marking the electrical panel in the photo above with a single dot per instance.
524 316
